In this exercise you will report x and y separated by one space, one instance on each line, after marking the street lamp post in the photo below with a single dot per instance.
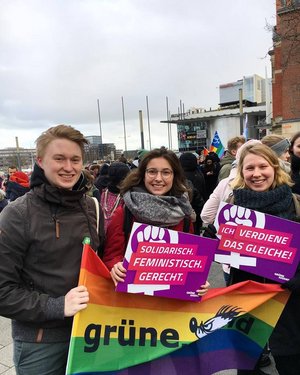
147 105
141 129
18 154
100 128
169 132
241 111
124 126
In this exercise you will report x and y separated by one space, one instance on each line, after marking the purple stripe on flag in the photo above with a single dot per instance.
223 349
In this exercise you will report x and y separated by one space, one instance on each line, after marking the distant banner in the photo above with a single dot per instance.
129 334
166 263
258 243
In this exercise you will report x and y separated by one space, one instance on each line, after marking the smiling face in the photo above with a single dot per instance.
258 173
158 184
62 163
296 147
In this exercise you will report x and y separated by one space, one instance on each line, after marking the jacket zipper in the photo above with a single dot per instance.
57 229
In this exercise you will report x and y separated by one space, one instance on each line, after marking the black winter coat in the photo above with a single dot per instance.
285 339
41 237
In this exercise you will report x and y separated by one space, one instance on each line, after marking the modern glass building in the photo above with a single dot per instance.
236 114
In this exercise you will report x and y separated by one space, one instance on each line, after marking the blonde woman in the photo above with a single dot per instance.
262 185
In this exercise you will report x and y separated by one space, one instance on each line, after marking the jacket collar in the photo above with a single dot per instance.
53 194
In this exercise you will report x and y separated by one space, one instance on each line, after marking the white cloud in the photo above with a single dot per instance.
58 57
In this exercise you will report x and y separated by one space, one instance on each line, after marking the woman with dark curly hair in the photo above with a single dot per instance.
154 193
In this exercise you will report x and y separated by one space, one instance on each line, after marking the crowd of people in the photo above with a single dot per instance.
39 291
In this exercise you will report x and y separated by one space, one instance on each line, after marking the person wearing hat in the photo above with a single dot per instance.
102 180
140 155
17 185
210 169
280 145
111 198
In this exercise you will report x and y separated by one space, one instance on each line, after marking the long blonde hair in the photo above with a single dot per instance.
280 176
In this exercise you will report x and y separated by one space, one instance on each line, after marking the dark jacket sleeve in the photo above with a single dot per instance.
294 283
18 300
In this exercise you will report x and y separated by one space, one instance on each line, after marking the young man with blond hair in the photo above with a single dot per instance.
41 236
233 145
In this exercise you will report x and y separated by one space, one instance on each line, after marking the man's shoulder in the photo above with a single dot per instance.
15 211
226 167
227 159
224 171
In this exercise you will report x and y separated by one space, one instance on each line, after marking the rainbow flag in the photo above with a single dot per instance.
216 145
131 334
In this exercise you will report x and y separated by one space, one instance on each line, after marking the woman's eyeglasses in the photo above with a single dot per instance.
165 173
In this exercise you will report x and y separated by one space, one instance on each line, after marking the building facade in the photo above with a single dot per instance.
96 150
94 139
253 89
23 158
237 115
197 131
285 60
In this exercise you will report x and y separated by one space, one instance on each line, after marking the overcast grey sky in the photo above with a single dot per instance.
57 57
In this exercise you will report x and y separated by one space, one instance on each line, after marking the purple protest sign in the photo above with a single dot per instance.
258 243
166 263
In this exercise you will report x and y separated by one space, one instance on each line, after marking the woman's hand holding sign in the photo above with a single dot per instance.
204 289
118 273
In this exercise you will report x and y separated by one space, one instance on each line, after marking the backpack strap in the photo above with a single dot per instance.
97 212
93 204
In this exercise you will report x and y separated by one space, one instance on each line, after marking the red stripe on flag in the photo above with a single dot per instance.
92 263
